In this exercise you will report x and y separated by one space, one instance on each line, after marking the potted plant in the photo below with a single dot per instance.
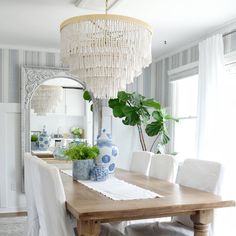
83 157
146 114
77 132
34 142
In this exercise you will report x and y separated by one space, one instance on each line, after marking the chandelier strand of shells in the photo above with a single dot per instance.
106 51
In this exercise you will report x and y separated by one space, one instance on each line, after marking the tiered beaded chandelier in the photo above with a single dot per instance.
106 51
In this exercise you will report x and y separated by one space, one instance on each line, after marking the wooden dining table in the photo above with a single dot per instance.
91 208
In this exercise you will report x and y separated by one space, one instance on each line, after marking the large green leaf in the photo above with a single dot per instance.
128 110
113 102
87 96
144 115
137 99
132 116
169 117
123 96
151 103
118 111
153 128
132 119
164 138
157 115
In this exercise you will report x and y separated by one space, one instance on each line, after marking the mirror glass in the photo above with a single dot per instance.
58 116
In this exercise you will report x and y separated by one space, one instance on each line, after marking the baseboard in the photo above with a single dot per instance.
13 214
12 210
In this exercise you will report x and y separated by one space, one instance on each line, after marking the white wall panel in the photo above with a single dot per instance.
11 198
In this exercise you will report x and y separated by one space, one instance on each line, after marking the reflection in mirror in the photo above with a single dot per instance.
58 116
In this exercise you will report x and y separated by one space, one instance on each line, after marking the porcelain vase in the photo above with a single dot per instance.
44 141
108 151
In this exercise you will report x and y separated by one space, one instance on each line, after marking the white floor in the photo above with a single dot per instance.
12 226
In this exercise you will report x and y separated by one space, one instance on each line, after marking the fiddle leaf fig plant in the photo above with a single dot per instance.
87 97
135 110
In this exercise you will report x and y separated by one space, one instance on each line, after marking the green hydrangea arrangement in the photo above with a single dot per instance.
77 131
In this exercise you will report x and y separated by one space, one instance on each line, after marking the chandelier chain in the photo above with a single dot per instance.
106 6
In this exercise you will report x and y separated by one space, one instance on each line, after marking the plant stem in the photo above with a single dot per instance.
145 148
154 142
141 138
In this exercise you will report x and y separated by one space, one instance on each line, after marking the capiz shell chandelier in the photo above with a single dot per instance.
106 51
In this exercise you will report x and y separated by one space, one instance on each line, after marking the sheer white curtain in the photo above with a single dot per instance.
211 73
213 138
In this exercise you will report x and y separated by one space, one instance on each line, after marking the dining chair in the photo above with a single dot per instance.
50 201
194 173
32 227
163 167
140 162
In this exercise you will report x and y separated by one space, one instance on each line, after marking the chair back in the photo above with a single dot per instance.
199 174
50 200
163 167
32 228
141 162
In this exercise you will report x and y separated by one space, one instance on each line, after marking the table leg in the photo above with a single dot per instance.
88 228
201 221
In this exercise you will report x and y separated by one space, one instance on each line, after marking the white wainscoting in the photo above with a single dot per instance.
11 197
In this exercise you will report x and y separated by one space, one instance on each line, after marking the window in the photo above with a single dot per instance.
184 107
228 114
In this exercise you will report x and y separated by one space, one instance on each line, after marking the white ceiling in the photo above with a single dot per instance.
35 23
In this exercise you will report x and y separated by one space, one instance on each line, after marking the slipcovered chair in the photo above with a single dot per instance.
50 200
140 162
198 174
32 227
163 167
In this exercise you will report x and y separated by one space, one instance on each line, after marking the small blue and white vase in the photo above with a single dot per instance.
44 141
99 173
108 151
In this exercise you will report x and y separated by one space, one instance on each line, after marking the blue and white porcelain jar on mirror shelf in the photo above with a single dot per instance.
108 151
44 140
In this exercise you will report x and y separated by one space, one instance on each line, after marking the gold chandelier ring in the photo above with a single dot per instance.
77 19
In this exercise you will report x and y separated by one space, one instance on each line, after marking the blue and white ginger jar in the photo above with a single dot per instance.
44 141
108 151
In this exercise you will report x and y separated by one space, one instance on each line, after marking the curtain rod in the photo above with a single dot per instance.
231 32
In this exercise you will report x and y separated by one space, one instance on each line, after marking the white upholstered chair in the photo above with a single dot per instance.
198 174
50 200
141 162
49 195
32 227
163 167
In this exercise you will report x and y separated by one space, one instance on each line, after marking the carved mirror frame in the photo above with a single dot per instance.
31 79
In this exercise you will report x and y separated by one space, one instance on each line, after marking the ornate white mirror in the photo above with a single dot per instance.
59 111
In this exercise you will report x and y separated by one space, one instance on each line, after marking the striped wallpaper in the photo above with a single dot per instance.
11 61
152 83
159 79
